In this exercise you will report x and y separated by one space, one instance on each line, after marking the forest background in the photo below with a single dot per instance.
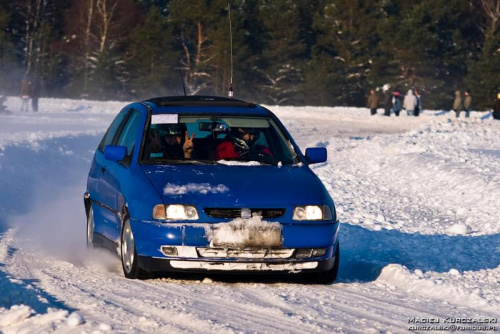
285 52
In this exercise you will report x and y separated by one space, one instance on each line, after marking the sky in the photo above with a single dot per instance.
418 201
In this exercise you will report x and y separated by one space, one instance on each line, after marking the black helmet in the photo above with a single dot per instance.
238 133
172 129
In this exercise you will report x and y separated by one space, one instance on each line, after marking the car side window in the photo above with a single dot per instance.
129 132
113 129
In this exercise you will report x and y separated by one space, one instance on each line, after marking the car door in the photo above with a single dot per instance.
99 192
117 173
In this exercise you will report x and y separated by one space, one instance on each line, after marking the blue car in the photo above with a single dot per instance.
209 184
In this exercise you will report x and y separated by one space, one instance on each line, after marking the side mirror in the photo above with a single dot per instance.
316 154
115 152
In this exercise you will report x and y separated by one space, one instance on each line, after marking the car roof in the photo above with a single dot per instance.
201 104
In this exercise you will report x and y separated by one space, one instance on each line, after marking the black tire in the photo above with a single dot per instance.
128 254
326 277
90 228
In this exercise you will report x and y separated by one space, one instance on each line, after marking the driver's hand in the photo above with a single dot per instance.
188 145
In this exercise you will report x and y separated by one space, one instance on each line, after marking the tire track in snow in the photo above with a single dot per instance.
86 291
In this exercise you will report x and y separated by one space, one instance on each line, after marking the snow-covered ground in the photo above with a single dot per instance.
418 199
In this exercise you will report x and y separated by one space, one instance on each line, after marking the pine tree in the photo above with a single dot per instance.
484 65
149 52
97 33
7 56
345 50
196 27
280 72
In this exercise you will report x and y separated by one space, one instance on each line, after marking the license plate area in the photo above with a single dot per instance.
239 235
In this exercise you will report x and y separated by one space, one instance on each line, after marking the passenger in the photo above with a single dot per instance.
172 141
240 141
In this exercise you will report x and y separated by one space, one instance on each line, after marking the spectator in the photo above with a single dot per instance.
457 104
418 107
496 108
396 103
35 88
25 95
3 109
372 103
467 103
409 103
387 100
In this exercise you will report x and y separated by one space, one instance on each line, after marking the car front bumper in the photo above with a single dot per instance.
189 247
161 264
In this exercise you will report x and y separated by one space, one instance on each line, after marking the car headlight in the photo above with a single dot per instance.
312 212
175 212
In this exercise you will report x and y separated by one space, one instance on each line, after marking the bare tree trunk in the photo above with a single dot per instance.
86 71
28 51
187 62
490 10
106 16
33 12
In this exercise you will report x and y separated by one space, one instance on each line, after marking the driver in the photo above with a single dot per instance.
172 140
240 141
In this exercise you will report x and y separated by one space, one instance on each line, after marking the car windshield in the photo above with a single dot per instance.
176 139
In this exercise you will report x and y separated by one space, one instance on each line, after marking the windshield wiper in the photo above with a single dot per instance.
182 161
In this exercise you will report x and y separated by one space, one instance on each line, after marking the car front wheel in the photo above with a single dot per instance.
128 256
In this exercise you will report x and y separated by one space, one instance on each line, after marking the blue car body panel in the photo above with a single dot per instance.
239 186
132 189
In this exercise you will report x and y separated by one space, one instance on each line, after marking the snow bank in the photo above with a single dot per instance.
417 199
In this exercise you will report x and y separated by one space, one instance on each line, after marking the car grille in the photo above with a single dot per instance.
236 213
259 253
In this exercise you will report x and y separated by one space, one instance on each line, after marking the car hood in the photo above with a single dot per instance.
236 186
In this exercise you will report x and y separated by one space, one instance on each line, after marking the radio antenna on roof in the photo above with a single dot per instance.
230 92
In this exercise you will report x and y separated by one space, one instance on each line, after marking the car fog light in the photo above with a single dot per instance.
308 252
318 252
169 251
303 253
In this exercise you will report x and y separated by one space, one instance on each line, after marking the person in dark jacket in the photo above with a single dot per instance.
418 107
496 108
372 103
387 102
467 103
35 88
169 141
